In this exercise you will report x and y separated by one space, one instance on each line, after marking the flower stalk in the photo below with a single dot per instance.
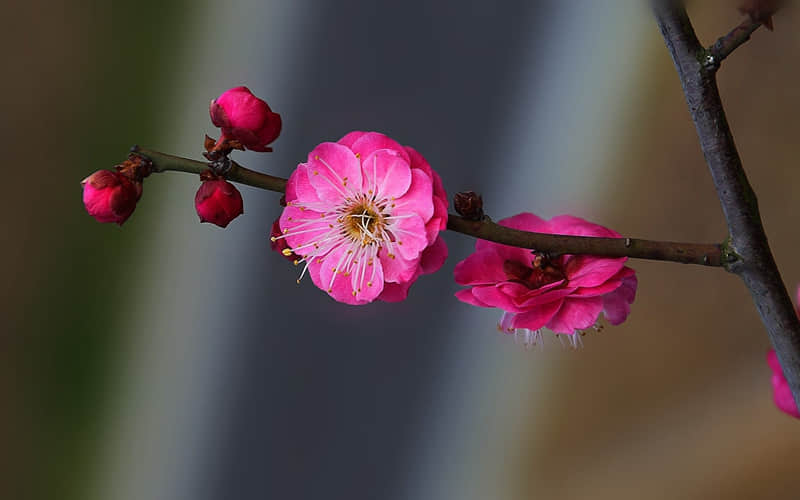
704 254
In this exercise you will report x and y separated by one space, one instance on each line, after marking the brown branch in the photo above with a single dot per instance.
755 264
687 253
726 44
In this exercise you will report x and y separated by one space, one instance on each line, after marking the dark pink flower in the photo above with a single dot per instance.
565 294
218 201
245 118
781 393
110 196
364 215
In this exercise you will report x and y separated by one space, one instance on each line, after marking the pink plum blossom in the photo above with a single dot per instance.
245 118
364 216
565 294
781 393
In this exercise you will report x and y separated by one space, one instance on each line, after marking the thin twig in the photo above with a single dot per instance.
708 254
755 264
726 44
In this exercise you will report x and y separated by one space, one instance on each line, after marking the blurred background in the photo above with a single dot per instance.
172 359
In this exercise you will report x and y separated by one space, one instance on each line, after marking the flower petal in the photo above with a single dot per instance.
333 171
480 268
617 304
468 297
536 318
589 270
386 174
370 142
576 314
418 198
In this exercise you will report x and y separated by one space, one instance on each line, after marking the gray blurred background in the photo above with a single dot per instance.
171 359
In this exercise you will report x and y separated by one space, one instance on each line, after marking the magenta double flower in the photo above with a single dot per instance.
364 216
565 294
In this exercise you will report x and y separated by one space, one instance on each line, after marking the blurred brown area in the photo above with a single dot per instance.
76 76
677 401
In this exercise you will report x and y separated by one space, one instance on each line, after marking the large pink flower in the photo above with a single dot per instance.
364 215
565 294
781 393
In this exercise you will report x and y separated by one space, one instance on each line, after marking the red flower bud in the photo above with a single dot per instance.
218 201
109 196
245 118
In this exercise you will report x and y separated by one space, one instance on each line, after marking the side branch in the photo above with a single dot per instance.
755 264
686 253
726 44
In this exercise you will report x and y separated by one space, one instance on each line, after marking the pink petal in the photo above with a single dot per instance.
537 317
387 174
617 304
525 222
342 288
782 395
370 142
576 314
397 269
418 198
434 256
588 271
494 297
774 364
467 297
545 297
602 289
299 188
333 171
480 268
350 138
410 237
575 226
395 292
293 216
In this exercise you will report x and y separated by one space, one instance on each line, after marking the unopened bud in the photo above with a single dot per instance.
469 205
110 196
218 201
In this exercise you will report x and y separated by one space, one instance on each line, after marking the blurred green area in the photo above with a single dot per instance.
88 84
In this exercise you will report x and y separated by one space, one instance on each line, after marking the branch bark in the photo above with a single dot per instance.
755 264
706 254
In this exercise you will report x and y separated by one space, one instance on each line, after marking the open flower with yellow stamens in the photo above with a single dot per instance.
364 215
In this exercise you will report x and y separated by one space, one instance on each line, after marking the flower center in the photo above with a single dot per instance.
542 271
363 223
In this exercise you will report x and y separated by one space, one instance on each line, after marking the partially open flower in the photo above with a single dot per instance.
245 118
565 294
110 196
218 201
364 215
781 393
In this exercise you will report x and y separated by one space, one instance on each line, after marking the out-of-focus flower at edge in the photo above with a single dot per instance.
364 215
218 201
110 196
781 393
565 294
245 118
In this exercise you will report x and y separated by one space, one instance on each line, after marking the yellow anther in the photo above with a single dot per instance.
369 283
316 157
273 239
286 251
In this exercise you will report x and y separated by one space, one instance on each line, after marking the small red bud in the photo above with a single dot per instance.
110 196
245 119
218 201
